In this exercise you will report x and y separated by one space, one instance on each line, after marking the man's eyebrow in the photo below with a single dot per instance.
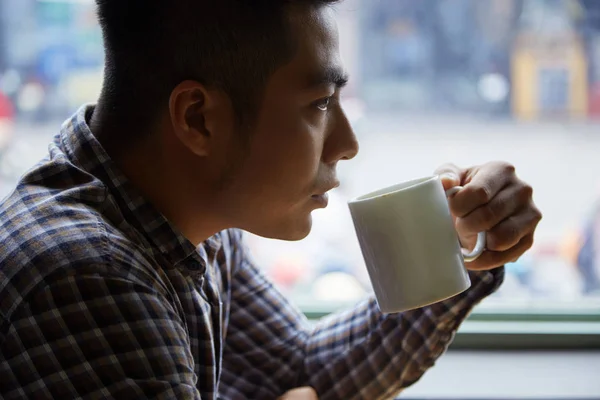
329 76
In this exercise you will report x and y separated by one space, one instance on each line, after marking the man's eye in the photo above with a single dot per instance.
323 104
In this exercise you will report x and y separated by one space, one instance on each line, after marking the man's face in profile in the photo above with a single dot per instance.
300 133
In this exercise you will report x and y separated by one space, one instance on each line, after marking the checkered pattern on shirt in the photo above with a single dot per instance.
100 297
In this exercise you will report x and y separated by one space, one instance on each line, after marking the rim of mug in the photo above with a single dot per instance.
399 187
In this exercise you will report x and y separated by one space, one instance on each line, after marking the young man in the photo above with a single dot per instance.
122 269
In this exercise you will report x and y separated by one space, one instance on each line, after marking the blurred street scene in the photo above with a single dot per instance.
432 81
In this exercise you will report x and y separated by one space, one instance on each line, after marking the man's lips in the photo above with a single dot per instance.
322 197
332 186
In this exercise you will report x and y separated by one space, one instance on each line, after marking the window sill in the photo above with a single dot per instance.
518 328
520 335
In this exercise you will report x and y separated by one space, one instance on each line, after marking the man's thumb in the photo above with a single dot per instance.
449 175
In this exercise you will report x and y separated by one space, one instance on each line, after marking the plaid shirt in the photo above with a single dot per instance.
100 297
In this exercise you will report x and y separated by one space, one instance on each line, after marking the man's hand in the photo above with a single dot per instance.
304 393
494 200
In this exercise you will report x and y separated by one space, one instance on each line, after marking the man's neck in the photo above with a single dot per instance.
153 167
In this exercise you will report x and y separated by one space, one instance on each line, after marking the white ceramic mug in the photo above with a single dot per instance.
410 246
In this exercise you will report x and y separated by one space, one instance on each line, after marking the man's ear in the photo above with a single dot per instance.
196 115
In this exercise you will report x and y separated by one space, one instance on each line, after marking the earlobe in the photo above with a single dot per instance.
188 106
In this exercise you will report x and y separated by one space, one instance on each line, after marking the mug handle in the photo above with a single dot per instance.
481 239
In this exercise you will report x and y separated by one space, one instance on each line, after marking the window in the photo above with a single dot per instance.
465 81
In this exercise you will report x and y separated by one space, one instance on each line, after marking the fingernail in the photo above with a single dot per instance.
449 176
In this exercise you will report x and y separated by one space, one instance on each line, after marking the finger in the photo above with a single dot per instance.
509 232
485 183
303 393
494 259
506 203
450 175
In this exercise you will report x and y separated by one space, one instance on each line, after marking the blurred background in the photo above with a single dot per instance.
432 81
465 81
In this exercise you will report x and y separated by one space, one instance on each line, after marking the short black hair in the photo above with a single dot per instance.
153 45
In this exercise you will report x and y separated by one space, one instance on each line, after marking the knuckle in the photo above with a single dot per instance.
526 191
507 167
537 215
533 217
528 242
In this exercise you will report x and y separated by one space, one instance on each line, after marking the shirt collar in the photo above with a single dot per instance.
84 150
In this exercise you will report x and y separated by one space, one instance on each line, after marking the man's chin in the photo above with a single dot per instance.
295 237
288 231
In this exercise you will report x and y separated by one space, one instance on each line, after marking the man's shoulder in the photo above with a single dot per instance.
53 204
55 222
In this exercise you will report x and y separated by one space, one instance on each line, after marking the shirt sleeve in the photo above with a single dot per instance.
358 354
92 337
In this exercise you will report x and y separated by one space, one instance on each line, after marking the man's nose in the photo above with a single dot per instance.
342 143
